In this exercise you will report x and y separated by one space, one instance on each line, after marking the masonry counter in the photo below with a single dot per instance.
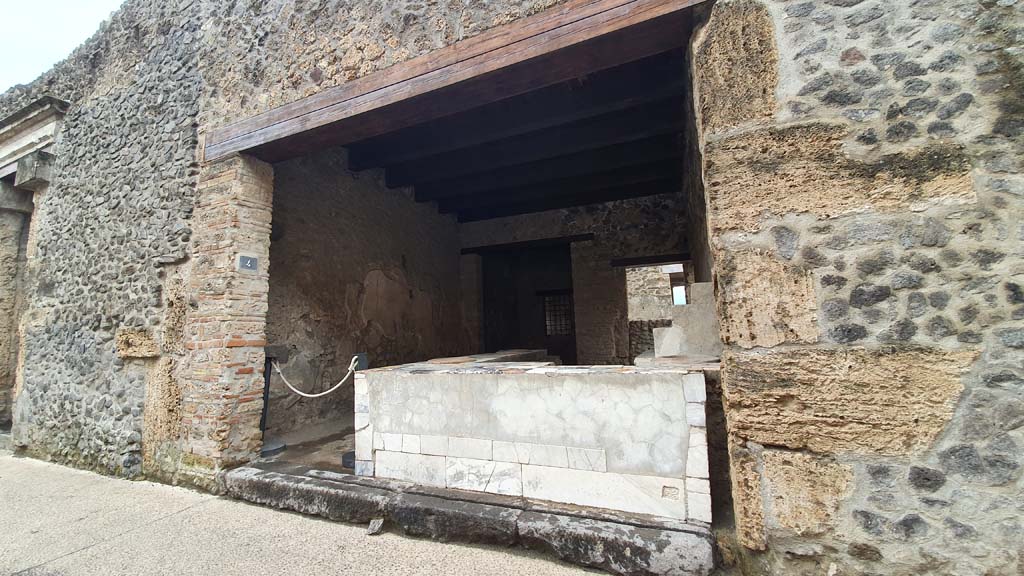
624 438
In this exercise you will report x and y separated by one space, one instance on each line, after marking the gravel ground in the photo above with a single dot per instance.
60 521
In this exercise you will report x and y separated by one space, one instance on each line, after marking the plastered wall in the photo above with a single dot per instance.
355 267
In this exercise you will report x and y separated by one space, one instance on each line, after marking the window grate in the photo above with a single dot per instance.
558 315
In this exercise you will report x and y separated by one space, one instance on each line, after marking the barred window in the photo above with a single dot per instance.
558 315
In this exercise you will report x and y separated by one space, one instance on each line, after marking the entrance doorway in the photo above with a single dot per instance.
528 301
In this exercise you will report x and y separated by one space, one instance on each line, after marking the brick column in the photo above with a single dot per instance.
225 331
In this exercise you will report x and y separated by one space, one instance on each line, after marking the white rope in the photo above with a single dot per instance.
351 370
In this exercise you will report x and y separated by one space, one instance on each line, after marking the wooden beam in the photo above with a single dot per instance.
653 188
553 190
607 91
650 260
472 62
664 147
540 243
662 117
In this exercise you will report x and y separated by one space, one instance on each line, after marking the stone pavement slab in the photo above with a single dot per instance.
59 521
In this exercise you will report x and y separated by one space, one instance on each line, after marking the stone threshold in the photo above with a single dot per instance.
619 543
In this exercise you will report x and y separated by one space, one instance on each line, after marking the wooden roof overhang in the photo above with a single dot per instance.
503 122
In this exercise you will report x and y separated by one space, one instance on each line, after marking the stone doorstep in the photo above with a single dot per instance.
620 543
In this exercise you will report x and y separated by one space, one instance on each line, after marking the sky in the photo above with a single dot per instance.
39 33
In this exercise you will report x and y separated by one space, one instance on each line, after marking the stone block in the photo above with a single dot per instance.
34 171
454 520
626 492
417 468
804 490
392 441
618 548
698 506
697 462
469 448
364 443
484 476
504 451
765 302
884 401
694 388
696 415
358 504
364 467
411 443
435 445
699 485
587 459
542 454
136 343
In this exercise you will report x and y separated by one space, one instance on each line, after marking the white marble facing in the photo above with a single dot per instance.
436 445
695 415
638 418
698 485
364 443
378 440
697 462
698 436
504 451
418 468
360 385
542 454
362 404
411 443
469 448
364 468
587 459
361 420
699 506
392 441
694 388
627 492
484 476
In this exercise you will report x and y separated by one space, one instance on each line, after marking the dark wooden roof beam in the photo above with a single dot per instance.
655 187
662 117
663 147
640 174
606 91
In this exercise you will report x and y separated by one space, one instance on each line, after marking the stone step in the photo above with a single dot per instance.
6 445
628 544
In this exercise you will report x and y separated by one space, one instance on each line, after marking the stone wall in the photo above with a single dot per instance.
355 267
13 236
111 252
623 229
648 293
108 234
862 167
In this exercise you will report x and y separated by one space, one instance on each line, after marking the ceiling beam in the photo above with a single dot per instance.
504 62
664 147
606 91
655 187
555 189
662 117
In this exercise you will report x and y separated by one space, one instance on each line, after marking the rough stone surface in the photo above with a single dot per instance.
804 490
738 42
626 545
828 401
771 171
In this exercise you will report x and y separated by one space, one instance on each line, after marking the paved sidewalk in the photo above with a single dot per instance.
59 521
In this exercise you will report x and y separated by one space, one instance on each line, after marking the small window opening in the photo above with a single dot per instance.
558 315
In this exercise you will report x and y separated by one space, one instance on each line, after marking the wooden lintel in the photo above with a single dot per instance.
539 243
320 120
651 260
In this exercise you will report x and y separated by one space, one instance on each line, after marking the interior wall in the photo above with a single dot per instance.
631 228
355 267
